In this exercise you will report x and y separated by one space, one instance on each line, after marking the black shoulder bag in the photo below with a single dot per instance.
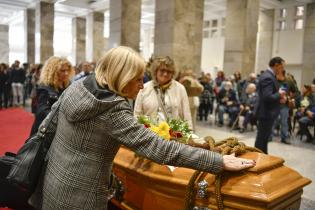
24 168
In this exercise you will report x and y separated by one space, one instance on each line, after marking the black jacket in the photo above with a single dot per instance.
268 103
18 75
47 96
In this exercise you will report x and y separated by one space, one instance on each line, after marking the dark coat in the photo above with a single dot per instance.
230 94
46 96
268 103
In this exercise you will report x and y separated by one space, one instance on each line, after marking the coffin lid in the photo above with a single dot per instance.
268 181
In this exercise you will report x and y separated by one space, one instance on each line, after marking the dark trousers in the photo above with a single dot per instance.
263 134
203 111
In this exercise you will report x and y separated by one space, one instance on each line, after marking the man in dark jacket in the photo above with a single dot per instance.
17 79
268 105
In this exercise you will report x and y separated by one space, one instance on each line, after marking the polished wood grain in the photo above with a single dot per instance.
268 185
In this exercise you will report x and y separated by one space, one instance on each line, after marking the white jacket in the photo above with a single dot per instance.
175 97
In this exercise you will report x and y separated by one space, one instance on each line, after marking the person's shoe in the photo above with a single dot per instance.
220 124
242 130
285 142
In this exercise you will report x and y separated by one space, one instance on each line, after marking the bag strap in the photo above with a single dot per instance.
43 128
161 104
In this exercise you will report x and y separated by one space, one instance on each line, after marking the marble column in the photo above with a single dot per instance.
95 36
125 23
241 28
29 24
4 43
308 63
178 32
265 39
45 29
79 35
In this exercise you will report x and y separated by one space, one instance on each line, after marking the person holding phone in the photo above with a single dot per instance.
282 119
268 104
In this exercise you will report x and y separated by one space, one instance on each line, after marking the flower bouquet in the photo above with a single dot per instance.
172 129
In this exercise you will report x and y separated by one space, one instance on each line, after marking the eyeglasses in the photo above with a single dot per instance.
165 71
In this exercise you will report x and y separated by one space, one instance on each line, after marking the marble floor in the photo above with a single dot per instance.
299 156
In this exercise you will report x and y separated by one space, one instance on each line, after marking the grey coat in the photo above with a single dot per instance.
92 124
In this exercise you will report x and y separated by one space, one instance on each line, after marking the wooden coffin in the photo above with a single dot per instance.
150 186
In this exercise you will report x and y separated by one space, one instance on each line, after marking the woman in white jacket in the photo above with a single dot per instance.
163 96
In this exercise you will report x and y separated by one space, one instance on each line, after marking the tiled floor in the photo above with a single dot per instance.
299 156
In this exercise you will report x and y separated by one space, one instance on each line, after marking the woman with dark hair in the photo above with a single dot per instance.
5 85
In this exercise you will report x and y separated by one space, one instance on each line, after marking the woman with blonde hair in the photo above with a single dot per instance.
54 79
163 97
94 120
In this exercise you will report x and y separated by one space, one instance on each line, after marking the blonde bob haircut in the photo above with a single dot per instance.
49 73
118 67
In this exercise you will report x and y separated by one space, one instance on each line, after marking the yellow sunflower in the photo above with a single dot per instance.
164 127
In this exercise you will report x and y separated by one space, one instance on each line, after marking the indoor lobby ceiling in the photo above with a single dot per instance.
9 9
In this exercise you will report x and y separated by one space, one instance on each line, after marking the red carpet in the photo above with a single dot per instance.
15 127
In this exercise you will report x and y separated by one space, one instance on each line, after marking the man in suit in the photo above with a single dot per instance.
268 103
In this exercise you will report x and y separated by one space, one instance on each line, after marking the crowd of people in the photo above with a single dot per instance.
96 115
95 118
204 96
238 97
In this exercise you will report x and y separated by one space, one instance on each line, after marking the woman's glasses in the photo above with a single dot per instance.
165 71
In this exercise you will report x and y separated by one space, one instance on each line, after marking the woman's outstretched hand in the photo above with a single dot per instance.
232 163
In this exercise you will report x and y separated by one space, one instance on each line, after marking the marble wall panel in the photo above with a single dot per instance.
178 32
4 43
79 36
265 41
45 28
29 23
308 69
125 23
240 36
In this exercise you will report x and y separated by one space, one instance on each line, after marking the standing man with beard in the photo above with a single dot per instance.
268 106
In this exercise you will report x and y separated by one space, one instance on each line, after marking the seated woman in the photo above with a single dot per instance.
163 97
247 107
307 120
54 79
228 103
303 104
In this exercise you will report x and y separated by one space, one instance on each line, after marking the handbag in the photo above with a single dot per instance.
11 195
20 172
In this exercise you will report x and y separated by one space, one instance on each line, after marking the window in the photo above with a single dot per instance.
299 11
214 23
282 25
206 24
283 13
298 24
214 33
